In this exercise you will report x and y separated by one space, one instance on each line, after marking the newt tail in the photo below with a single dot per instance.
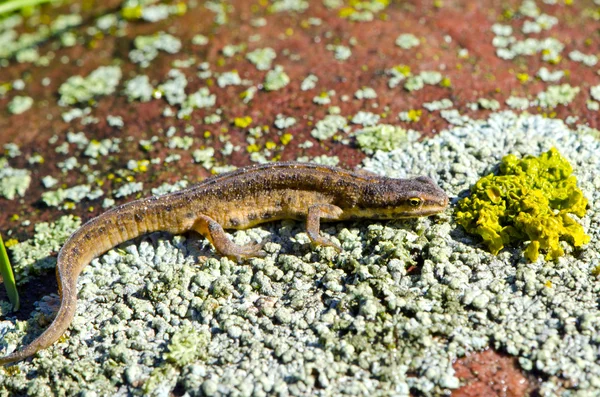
72 259
238 200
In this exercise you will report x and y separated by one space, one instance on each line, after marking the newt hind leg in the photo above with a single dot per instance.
214 232
317 212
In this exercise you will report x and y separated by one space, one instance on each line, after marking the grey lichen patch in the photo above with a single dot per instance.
200 39
557 95
173 88
230 49
13 181
229 78
179 142
20 104
204 157
595 92
365 93
518 103
262 57
365 118
340 52
406 41
276 79
73 195
282 122
139 88
384 137
322 159
128 189
147 47
586 59
169 187
200 99
309 82
412 82
82 90
115 121
96 149
329 126
454 117
31 257
188 346
545 75
489 104
12 43
441 104
12 150
550 48
289 5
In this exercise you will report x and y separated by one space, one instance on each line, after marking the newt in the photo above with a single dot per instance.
238 200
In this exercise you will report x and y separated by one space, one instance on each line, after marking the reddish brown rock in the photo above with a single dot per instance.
490 374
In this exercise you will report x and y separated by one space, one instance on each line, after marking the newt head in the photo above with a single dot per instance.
391 198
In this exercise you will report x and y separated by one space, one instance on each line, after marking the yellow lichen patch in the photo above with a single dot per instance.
132 13
11 242
529 200
414 115
286 138
346 12
253 148
242 122
403 69
523 77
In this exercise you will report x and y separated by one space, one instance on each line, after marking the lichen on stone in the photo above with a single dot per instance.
309 82
229 78
81 90
529 200
262 57
340 52
406 41
34 256
20 104
276 79
365 118
289 5
129 189
384 137
557 95
95 148
187 346
139 88
73 194
329 126
147 47
13 181
174 87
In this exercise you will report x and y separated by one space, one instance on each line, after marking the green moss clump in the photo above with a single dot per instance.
529 200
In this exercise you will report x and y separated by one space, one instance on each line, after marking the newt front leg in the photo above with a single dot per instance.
316 212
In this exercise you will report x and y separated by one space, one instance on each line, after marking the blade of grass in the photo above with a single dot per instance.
9 278
10 6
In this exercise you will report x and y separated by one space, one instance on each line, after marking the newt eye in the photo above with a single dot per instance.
414 201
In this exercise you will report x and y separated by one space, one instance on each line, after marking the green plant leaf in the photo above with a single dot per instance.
9 278
14 5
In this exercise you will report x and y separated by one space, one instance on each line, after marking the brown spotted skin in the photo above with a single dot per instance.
238 200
